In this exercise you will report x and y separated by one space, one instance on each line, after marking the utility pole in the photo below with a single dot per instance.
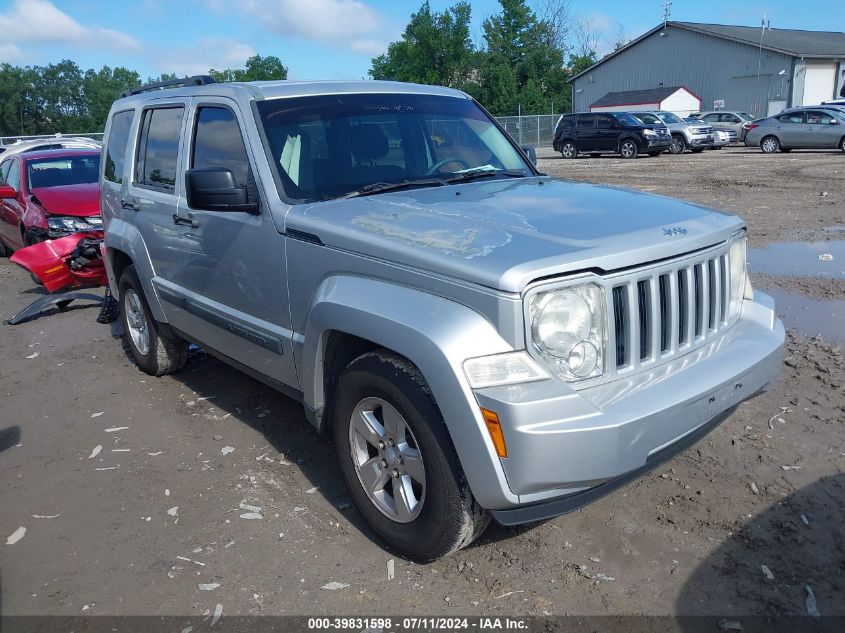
667 7
764 24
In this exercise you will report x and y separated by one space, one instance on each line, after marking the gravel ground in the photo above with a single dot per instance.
132 496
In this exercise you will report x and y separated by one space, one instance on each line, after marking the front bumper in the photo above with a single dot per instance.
701 141
568 447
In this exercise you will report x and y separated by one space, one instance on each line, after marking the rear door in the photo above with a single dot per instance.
821 129
789 128
607 132
585 133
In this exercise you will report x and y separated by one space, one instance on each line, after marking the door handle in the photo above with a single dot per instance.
190 220
129 204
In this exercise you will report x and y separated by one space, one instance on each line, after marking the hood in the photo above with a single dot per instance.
506 233
78 200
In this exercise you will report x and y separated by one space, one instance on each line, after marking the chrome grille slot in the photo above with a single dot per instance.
672 309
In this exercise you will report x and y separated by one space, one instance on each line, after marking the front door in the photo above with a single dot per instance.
230 286
821 129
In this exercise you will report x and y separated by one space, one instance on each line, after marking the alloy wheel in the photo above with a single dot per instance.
387 459
628 149
677 146
136 321
568 150
770 144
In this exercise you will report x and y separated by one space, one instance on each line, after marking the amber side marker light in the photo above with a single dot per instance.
494 428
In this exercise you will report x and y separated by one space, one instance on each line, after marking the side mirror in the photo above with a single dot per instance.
834 121
6 191
531 152
216 190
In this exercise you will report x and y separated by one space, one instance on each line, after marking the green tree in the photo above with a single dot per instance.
100 88
435 48
257 68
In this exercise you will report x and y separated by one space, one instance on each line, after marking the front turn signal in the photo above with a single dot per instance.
494 428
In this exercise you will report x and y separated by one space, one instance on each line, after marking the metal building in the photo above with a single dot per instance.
756 70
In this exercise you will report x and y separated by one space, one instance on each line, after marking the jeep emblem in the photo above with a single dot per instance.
674 231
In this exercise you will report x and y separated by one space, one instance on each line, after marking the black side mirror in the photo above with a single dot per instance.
216 190
531 152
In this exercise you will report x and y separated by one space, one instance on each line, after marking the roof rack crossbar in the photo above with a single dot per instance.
196 80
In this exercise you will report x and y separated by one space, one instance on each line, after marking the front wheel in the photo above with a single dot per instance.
628 149
770 145
842 144
678 145
398 461
568 150
153 352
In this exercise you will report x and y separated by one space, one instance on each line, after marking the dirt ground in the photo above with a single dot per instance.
131 496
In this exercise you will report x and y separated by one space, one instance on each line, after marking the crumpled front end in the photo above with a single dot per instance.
69 262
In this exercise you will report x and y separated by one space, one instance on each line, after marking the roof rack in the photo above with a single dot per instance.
196 80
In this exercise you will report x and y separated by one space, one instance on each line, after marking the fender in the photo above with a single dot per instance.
435 334
124 237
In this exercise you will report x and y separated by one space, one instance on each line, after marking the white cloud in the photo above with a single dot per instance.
198 57
41 21
10 53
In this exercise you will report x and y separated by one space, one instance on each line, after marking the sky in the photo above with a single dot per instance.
316 39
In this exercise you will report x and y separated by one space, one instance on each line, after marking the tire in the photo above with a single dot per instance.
679 145
5 251
154 353
769 144
652 154
445 517
568 150
842 144
628 149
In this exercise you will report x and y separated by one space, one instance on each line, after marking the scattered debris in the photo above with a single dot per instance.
109 467
154 454
190 560
46 516
208 586
311 491
810 603
777 416
16 536
217 438
227 449
115 429
228 545
754 488
391 565
251 515
767 572
790 467
243 505
121 450
506 594
218 611
167 492
334 586
805 520
33 355
96 451
595 559
98 414
730 625
344 505
174 511
605 578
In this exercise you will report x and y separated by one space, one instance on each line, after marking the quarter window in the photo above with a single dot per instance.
218 144
4 170
13 179
116 150
158 148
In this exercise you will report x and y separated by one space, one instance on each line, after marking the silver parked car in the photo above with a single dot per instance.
799 128
53 142
734 121
480 340
695 137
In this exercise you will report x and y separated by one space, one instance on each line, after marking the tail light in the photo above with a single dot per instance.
751 126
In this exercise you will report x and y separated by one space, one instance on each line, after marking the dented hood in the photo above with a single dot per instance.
506 233
77 200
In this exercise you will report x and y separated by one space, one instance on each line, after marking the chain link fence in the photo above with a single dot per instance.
536 129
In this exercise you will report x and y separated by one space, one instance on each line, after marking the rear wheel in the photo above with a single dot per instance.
678 144
398 461
770 145
153 352
842 144
568 150
628 149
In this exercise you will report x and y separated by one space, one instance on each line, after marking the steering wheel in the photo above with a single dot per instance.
435 168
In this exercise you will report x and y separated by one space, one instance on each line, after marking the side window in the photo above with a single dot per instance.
730 118
712 118
791 117
604 122
587 120
218 143
4 170
650 119
158 148
13 179
116 150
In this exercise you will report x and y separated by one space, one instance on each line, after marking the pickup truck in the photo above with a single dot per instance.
479 340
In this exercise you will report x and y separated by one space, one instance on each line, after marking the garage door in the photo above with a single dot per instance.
819 82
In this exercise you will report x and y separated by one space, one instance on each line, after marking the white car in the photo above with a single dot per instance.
50 142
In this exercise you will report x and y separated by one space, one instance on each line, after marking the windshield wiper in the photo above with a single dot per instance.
379 187
486 173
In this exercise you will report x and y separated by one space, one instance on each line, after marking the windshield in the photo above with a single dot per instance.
626 118
67 170
745 115
668 117
333 145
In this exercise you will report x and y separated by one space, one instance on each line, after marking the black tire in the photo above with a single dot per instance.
679 144
653 154
165 355
449 518
769 144
628 148
842 144
568 150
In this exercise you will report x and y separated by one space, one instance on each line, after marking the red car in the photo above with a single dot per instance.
47 195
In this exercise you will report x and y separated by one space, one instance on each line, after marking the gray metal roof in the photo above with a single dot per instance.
818 44
637 97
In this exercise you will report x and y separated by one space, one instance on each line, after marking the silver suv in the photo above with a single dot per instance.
695 137
479 340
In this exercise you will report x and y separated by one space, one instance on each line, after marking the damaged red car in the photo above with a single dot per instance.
47 195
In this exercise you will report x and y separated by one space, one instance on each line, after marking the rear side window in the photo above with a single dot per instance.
218 143
116 150
158 148
13 179
587 120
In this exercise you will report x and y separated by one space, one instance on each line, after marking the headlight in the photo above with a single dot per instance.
567 330
59 225
740 284
502 369
649 132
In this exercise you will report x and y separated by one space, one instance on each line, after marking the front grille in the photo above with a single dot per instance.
703 130
661 312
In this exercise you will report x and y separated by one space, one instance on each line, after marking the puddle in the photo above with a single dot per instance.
825 318
799 259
